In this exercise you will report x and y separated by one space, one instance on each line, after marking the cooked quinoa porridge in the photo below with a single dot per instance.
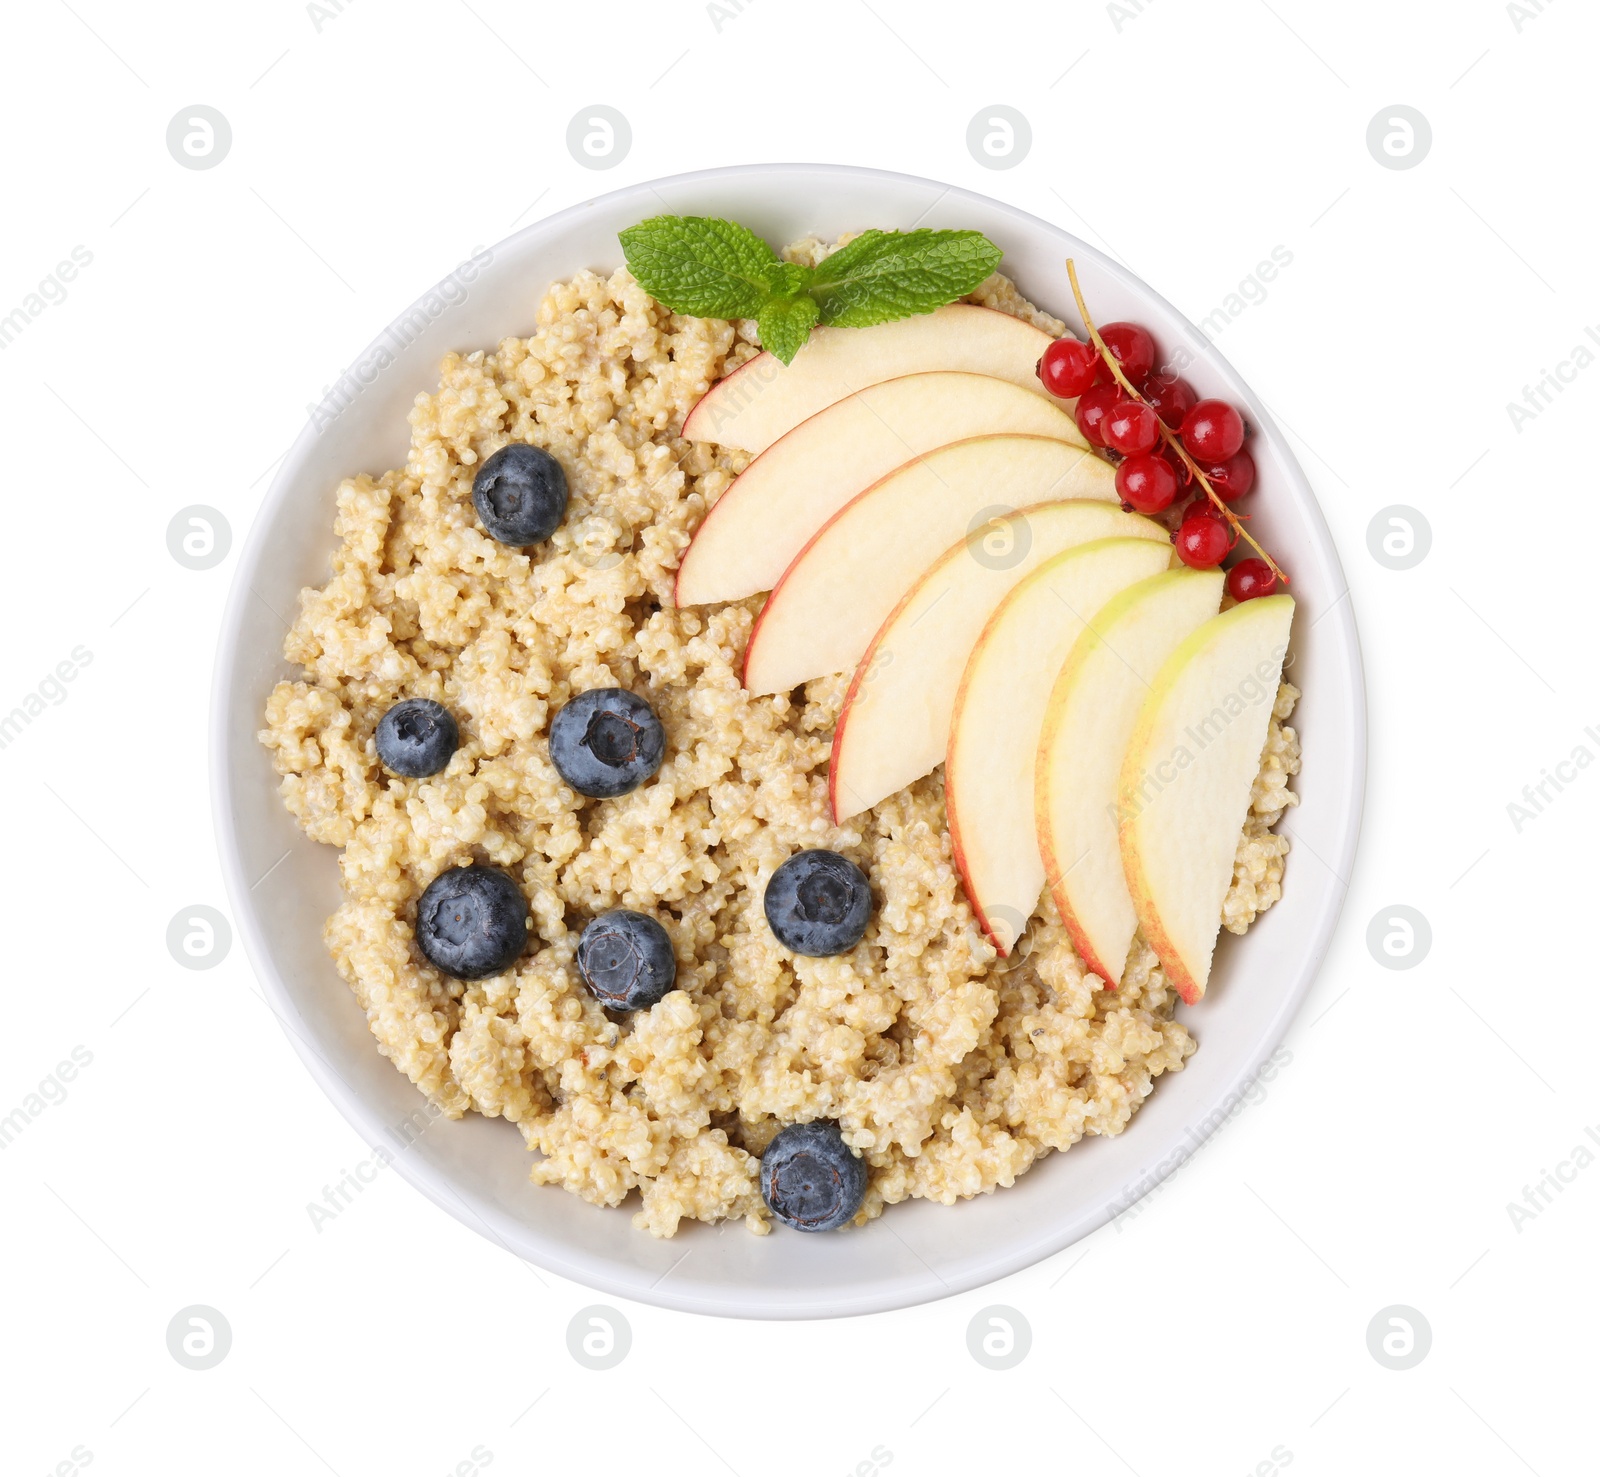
949 1069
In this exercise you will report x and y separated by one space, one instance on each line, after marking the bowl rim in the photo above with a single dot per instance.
596 1272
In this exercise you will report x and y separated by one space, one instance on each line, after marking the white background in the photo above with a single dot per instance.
373 149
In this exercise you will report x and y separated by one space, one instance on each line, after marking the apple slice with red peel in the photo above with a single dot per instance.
894 726
824 612
764 398
786 494
1093 708
1184 789
999 711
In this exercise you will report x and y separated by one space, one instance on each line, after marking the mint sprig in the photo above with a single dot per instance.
719 269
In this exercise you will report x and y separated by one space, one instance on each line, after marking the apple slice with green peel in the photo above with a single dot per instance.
824 612
894 726
786 494
1184 789
1093 708
999 710
764 399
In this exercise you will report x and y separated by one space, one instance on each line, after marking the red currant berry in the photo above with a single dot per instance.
1212 431
1170 397
1132 348
1130 428
1202 541
1068 368
1232 478
1250 578
1180 468
1093 406
1200 506
1147 483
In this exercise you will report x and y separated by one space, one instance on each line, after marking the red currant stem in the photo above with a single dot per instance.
1169 436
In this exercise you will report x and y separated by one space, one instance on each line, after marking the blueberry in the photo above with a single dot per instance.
810 1179
626 960
818 903
520 494
606 742
472 922
416 738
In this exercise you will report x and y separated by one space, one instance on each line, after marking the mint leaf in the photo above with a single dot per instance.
786 279
883 275
718 269
697 264
785 324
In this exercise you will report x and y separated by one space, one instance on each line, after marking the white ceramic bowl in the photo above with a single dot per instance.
283 886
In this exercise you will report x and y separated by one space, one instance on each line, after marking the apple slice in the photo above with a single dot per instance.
1184 789
788 492
894 726
999 710
763 398
841 587
1093 708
